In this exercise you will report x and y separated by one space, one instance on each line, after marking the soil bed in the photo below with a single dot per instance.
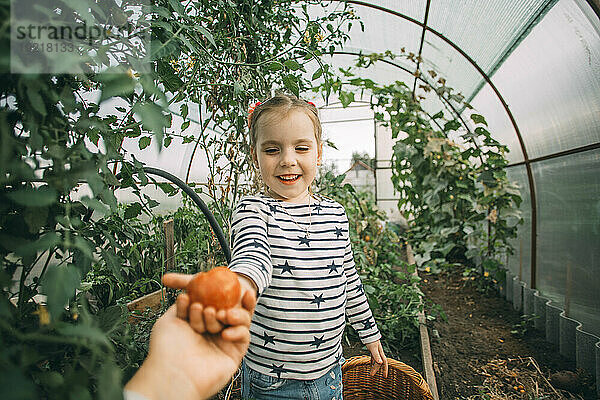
477 357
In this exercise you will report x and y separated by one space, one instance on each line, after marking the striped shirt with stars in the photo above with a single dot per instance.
307 284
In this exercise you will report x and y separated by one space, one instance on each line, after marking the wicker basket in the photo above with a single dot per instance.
402 383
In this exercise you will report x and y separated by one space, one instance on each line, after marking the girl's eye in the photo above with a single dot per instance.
271 150
302 148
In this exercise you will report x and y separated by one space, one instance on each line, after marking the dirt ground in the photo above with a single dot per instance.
477 357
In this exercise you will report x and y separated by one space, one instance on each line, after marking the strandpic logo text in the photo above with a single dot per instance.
82 33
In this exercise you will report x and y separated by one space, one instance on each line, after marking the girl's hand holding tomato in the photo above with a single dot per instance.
212 300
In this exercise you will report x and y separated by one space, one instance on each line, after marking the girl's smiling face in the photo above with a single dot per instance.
287 154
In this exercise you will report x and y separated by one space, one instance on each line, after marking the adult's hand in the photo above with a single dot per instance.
184 364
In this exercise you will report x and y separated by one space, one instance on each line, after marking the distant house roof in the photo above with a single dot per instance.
358 165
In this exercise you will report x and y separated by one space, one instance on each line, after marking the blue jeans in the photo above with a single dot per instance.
258 386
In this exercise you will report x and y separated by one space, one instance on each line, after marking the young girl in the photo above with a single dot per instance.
293 248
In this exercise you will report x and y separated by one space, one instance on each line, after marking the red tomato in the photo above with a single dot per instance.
218 288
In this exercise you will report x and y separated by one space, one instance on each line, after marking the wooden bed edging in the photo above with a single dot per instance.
424 335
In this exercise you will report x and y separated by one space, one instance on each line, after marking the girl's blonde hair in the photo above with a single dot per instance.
277 107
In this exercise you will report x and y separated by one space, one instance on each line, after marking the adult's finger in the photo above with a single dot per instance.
183 303
176 281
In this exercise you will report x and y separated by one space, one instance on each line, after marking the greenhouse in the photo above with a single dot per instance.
405 196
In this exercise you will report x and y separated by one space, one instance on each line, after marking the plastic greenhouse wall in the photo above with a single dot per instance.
555 99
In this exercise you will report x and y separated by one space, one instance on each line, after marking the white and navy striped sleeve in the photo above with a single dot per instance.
251 252
357 308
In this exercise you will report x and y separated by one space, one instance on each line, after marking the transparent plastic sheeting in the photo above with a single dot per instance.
485 31
414 9
383 31
519 263
568 190
386 195
450 64
487 104
503 21
551 83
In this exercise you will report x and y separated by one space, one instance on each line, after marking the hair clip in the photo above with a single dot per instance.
311 103
251 111
252 107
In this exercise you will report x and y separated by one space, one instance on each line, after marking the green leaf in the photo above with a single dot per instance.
109 374
451 125
206 34
292 64
14 385
167 141
237 88
275 66
168 76
167 189
446 248
183 110
42 196
79 392
50 379
317 74
484 132
88 332
346 98
487 178
35 217
291 83
152 118
478 119
110 178
421 259
112 318
34 96
144 142
439 114
96 205
449 230
177 7
59 284
185 125
133 210
119 84
45 242
85 246
369 289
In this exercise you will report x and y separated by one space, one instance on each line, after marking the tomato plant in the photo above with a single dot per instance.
450 176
